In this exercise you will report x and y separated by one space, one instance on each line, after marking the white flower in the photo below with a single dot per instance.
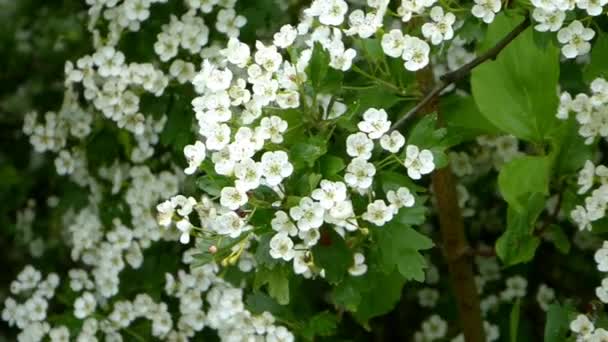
359 173
282 223
593 7
393 43
575 38
231 224
84 305
359 267
548 20
375 123
236 52
378 213
184 226
415 53
582 326
308 214
434 328
310 237
229 23
545 296
580 216
601 258
217 137
441 28
232 198
393 142
330 193
267 57
330 12
285 37
248 174
64 163
300 261
359 145
586 177
195 154
212 78
418 162
428 297
486 9
342 59
273 128
602 291
276 167
401 198
281 247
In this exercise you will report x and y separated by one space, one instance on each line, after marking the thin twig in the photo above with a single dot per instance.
458 74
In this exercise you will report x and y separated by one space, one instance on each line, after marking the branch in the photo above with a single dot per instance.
458 74
454 242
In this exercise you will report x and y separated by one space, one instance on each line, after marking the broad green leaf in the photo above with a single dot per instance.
598 67
212 185
557 324
322 324
524 175
333 255
518 243
277 280
319 64
514 321
399 247
572 150
425 133
262 253
304 154
331 165
463 120
257 302
515 92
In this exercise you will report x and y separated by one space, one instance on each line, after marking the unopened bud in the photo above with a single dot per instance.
212 249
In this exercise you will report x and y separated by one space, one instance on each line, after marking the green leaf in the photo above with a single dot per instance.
598 67
178 129
463 120
399 247
518 244
333 255
522 176
572 150
277 280
555 234
319 64
557 324
514 92
212 185
305 154
425 134
257 302
331 165
322 324
514 321
262 253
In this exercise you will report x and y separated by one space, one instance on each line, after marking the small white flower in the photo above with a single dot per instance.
359 267
393 43
575 38
330 12
359 173
401 198
359 145
602 291
273 128
441 28
195 154
378 213
375 123
232 198
601 258
548 20
248 174
415 53
84 305
586 177
231 224
184 226
582 326
393 142
418 162
308 214
486 9
282 224
236 52
285 37
281 247
329 193
276 167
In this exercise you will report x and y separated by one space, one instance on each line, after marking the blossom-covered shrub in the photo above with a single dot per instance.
291 170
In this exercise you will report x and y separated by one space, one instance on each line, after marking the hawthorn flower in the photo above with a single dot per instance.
418 162
329 193
358 145
212 78
231 224
267 57
602 291
281 247
310 237
434 328
359 267
232 198
441 28
273 128
545 296
486 10
575 38
184 226
378 213
415 53
586 177
375 123
285 37
64 163
392 142
282 223
248 174
236 52
229 22
195 154
400 198
308 214
84 305
393 43
593 7
601 258
359 173
548 20
275 167
330 12
582 326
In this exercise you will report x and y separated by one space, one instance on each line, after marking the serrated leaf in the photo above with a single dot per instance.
511 92
277 280
331 165
321 324
524 175
598 66
332 255
305 154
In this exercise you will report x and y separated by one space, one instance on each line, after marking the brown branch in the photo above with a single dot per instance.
455 246
458 74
